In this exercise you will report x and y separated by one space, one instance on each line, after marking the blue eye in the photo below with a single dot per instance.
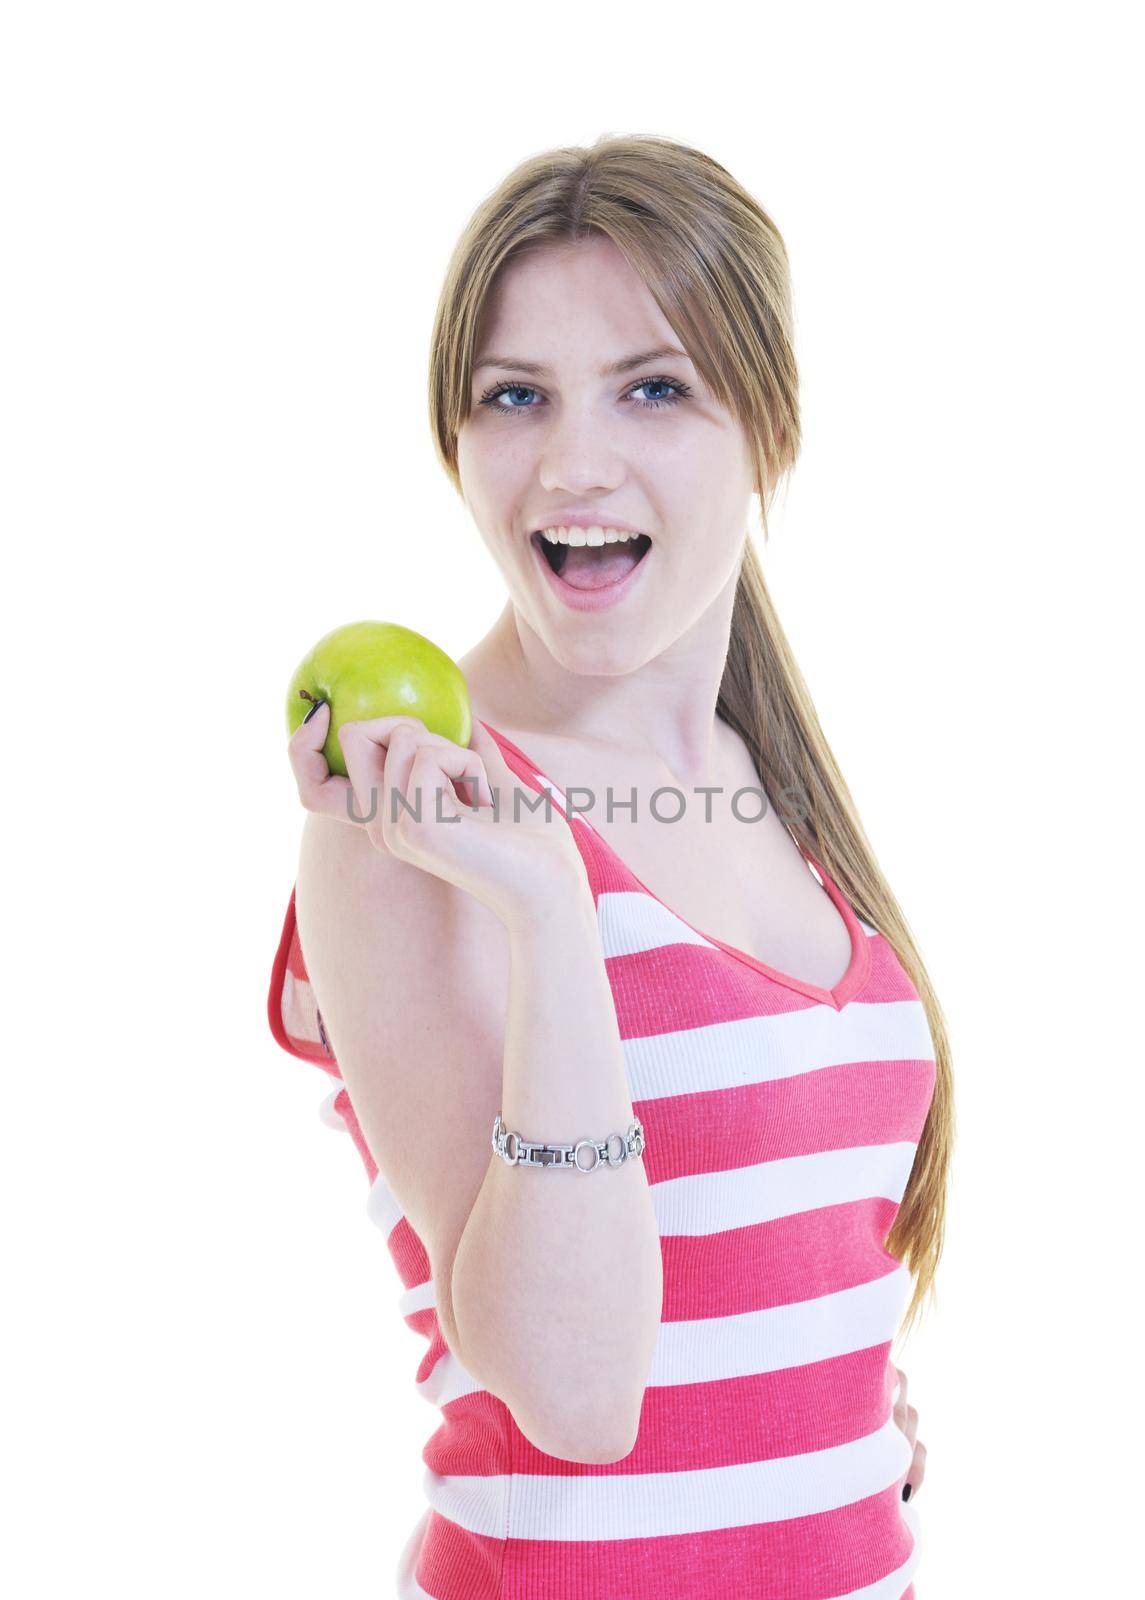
677 391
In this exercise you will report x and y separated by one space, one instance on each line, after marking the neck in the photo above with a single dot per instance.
663 710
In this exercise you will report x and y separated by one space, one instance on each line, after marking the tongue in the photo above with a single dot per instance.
596 566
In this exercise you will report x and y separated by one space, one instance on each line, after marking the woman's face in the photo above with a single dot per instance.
646 446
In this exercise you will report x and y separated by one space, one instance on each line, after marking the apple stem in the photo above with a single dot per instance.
307 696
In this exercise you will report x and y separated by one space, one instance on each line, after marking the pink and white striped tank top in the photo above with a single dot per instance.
781 1122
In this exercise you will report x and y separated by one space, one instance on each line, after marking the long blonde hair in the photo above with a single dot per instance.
717 267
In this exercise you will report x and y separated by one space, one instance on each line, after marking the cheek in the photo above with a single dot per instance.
491 460
470 455
709 481
712 555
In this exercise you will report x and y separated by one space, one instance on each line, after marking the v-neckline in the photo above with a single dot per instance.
837 995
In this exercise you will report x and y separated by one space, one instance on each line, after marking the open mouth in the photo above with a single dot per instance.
587 566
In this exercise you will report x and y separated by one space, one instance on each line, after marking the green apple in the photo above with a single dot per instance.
378 669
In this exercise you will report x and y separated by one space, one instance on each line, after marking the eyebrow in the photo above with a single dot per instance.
627 364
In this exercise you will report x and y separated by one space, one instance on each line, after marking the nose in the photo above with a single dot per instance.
581 455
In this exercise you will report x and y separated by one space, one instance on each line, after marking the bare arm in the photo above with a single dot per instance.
557 1282
548 1284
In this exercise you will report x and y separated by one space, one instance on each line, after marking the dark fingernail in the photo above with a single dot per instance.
906 1491
317 704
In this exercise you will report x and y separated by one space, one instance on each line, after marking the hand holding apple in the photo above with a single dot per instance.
409 731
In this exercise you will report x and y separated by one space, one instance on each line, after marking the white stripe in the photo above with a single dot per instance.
744 1344
536 802
649 1505
408 1588
738 1197
631 921
448 1380
710 1349
299 1013
556 793
382 1206
729 1055
331 1117
419 1298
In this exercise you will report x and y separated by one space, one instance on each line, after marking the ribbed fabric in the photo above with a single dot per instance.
781 1122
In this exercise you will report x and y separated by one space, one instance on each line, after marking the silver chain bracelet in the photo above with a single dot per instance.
531 1153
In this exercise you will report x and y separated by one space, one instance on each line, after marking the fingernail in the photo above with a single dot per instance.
316 706
906 1491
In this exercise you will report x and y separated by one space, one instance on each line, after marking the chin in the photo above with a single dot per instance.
609 656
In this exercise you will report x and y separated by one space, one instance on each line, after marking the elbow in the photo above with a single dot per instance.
592 1436
568 1426
605 1452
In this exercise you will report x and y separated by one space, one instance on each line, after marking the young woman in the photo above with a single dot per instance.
637 917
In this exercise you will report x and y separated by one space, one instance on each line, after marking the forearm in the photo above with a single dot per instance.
556 1282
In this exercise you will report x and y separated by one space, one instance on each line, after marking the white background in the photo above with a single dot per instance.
225 229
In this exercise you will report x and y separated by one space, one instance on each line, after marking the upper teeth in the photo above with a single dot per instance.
595 535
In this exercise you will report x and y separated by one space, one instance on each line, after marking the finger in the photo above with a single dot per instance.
427 801
467 771
917 1472
365 762
391 735
319 789
419 786
380 729
906 1418
501 775
429 790
464 766
902 1407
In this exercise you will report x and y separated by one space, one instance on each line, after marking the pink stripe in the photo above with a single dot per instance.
344 1106
409 1254
462 1565
828 1108
295 963
679 986
473 1439
434 1351
776 1263
887 979
727 1423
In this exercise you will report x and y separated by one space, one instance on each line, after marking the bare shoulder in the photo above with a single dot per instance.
411 975
428 930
